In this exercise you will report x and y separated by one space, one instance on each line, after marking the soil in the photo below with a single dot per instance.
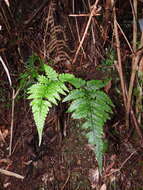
60 162
64 161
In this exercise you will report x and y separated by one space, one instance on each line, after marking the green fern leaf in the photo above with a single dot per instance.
94 106
50 72
96 84
74 94
42 79
76 82
45 93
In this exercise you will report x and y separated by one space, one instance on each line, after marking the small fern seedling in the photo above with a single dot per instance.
94 106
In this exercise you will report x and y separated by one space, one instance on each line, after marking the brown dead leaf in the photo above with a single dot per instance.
94 177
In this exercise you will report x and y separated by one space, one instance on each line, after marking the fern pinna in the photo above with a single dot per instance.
88 102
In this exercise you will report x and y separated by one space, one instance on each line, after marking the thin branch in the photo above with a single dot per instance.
14 95
125 37
86 29
6 70
9 173
119 58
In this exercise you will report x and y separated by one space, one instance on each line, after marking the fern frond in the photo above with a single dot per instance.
94 106
44 94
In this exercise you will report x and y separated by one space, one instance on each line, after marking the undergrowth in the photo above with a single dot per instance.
87 102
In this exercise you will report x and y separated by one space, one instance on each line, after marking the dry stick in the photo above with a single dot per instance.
14 95
125 37
12 122
83 15
133 74
119 58
77 28
63 187
132 114
135 4
9 173
135 59
6 70
86 29
118 170
139 132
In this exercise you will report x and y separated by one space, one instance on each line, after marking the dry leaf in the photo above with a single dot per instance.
94 177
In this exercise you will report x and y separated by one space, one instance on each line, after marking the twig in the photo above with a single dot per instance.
27 22
119 58
125 37
135 59
6 70
82 15
12 121
127 159
9 173
135 3
14 95
132 80
77 28
122 165
86 29
66 181
136 125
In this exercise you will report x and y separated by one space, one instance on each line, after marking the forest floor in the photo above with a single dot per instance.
64 162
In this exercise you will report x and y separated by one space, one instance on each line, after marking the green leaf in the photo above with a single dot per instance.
74 94
76 82
50 72
96 84
43 94
94 106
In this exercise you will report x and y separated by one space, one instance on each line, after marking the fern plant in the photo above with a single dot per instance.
88 102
